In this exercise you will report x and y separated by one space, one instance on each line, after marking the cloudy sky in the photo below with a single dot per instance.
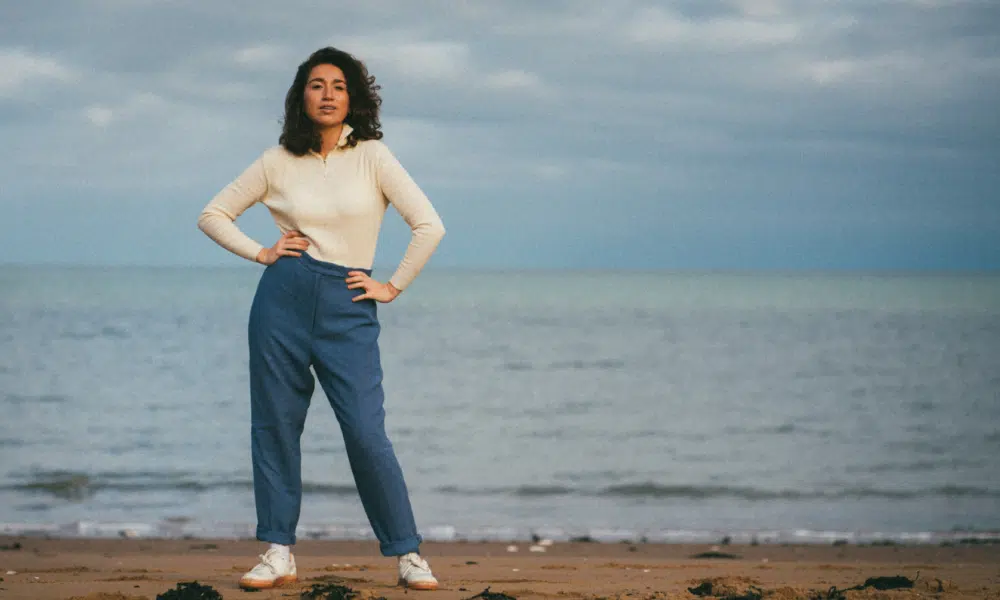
698 134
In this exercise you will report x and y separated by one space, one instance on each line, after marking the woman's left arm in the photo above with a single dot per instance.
411 203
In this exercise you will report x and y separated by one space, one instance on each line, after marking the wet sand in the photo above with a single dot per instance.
107 569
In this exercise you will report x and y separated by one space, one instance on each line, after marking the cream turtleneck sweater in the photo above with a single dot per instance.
336 202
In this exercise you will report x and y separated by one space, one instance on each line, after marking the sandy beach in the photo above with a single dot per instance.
107 569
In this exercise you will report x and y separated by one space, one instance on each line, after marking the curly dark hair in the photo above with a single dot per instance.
299 134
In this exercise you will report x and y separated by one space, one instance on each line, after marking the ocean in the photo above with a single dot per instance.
603 405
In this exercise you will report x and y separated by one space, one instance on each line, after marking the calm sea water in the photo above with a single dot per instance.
620 406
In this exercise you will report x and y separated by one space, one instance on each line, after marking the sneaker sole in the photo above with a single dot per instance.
422 586
266 585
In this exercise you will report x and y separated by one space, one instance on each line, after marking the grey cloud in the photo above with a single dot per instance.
613 104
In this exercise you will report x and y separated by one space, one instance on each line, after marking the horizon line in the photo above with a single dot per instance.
691 270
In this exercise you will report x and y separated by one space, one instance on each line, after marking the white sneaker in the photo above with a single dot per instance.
274 570
415 573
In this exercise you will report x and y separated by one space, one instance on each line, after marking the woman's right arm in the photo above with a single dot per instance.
217 219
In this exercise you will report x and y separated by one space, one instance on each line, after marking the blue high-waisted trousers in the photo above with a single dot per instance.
302 316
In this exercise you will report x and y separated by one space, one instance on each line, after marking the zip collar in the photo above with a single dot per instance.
345 130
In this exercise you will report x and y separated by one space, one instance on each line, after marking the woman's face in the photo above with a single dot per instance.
326 99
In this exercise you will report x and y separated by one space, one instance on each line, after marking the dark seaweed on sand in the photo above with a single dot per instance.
896 582
715 554
330 591
190 590
488 595
705 589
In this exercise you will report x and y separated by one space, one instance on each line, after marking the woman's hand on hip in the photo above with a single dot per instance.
374 290
290 244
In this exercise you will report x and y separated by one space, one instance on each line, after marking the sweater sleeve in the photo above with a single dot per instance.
217 219
403 193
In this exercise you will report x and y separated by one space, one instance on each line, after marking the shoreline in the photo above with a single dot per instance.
105 569
184 529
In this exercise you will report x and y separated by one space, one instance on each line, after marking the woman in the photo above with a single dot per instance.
327 185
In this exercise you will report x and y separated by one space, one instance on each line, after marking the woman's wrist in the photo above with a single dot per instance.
266 256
